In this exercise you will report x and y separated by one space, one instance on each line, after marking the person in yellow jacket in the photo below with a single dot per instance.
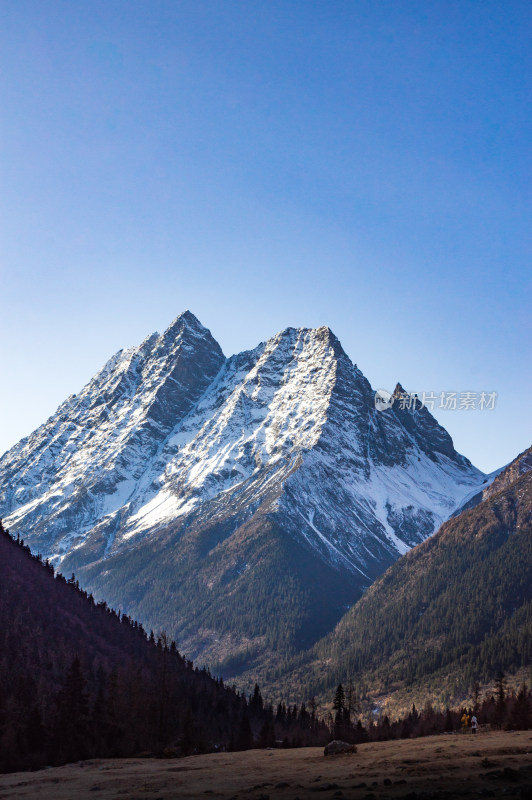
465 721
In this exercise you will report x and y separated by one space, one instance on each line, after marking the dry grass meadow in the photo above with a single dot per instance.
491 764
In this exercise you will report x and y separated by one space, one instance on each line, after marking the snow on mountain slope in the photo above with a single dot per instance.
171 431
377 482
264 408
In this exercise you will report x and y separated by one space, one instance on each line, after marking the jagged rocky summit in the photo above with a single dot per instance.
176 475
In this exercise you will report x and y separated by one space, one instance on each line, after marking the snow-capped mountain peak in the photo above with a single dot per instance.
88 457
172 432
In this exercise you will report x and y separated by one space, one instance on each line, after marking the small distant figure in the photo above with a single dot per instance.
474 724
465 721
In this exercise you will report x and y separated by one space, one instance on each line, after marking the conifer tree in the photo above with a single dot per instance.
72 732
245 736
339 699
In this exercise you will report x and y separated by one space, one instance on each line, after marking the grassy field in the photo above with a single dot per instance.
491 764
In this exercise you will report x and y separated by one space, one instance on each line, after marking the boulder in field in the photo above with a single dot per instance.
335 747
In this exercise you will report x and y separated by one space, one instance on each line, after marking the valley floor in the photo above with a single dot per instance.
491 764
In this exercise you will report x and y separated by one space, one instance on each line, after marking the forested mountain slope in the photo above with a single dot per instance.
78 680
455 609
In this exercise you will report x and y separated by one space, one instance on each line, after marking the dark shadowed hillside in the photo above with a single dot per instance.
78 680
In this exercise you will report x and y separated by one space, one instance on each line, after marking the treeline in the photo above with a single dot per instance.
80 680
500 709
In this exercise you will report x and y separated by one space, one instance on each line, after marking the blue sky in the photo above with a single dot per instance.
365 165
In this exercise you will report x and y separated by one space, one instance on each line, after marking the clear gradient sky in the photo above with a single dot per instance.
266 163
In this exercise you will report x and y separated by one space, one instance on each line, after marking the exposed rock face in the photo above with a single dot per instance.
519 466
498 480
172 450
